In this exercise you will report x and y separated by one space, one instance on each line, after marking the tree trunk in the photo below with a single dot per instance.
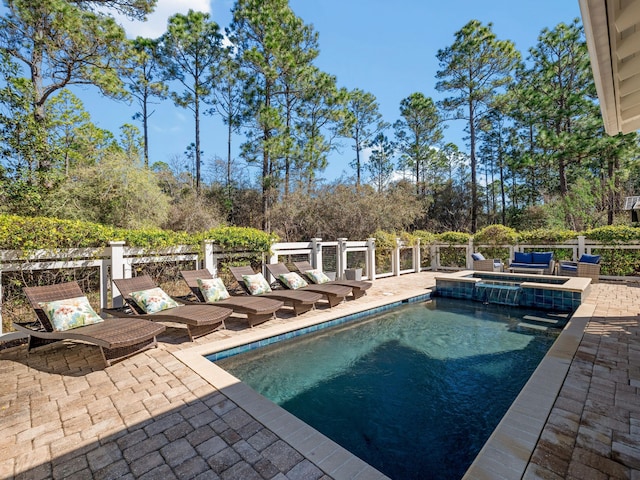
197 114
145 129
474 186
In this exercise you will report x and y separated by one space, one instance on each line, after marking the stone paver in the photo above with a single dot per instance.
62 415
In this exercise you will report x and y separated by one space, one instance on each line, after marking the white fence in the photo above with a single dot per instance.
341 256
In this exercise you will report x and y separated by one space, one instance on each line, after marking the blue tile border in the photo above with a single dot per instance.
314 328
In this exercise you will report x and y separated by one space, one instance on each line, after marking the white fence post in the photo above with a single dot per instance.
341 253
433 253
581 247
316 253
469 252
371 258
209 259
117 270
416 257
395 259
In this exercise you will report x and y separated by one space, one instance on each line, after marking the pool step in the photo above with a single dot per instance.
533 326
544 321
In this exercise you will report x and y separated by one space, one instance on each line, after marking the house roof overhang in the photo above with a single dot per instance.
612 30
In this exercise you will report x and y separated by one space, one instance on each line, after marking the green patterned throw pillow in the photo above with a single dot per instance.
70 313
256 284
212 289
292 280
154 300
317 276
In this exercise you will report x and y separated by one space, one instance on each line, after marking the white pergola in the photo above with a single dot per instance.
612 29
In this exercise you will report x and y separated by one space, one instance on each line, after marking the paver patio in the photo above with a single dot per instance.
62 415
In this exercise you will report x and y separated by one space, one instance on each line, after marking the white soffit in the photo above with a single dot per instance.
612 29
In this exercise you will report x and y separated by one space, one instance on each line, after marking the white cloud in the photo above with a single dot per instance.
156 23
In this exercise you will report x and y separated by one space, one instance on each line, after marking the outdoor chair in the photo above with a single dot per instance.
300 301
144 299
333 294
72 318
359 288
482 264
587 266
542 262
207 289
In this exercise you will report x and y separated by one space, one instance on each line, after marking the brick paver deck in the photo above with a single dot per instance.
62 415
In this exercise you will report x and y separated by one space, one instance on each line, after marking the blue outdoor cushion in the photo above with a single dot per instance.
477 256
542 257
590 258
529 265
572 267
521 257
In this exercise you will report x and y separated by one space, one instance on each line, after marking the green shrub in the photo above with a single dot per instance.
496 235
453 238
612 234
546 236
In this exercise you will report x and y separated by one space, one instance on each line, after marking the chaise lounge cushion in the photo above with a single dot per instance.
70 313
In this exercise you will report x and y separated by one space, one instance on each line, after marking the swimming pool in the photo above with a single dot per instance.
414 392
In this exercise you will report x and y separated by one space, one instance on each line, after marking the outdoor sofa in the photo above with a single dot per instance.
533 260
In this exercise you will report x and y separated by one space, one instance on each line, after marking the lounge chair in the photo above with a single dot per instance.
481 264
199 319
300 301
587 266
334 294
117 338
359 288
257 309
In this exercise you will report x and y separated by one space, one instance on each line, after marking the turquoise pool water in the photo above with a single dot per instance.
415 392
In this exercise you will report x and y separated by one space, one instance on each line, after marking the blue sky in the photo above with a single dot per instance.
383 47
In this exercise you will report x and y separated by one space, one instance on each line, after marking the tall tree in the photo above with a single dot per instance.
61 43
228 103
144 83
362 123
267 34
380 165
190 51
417 134
319 114
473 69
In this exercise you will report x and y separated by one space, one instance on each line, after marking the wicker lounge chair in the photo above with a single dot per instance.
334 294
257 309
359 288
199 319
117 338
300 301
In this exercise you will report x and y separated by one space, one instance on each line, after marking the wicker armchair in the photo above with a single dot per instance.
481 264
588 266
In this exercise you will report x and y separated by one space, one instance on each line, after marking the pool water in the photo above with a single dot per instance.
414 392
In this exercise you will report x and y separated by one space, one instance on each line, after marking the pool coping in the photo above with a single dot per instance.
505 455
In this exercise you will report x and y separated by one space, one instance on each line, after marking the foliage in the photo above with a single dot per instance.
36 233
453 238
496 235
544 235
611 235
115 192
425 237
230 238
